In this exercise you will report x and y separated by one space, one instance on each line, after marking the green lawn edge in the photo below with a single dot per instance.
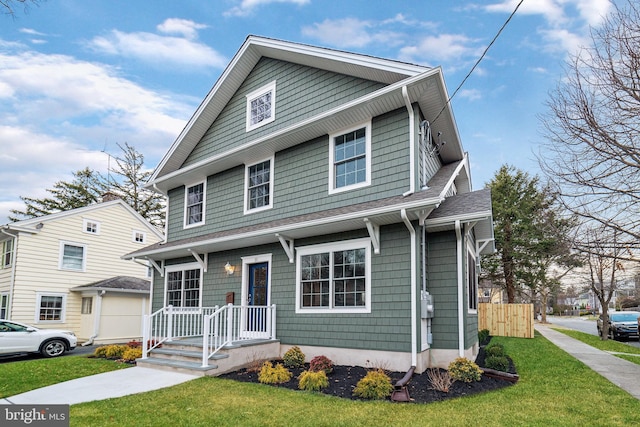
618 349
554 389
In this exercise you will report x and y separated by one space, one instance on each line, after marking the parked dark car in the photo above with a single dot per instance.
622 324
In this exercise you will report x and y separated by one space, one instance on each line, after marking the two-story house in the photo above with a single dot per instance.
327 196
65 270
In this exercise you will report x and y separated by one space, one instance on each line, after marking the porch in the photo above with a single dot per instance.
209 340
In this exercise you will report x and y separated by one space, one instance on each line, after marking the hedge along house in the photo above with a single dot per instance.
326 196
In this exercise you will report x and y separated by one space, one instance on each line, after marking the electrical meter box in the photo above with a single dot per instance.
426 306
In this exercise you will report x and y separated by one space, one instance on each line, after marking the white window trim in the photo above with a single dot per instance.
332 247
270 87
5 252
61 256
204 204
63 312
183 267
133 236
246 186
86 221
367 181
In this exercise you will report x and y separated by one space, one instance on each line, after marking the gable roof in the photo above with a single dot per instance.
32 225
421 84
123 284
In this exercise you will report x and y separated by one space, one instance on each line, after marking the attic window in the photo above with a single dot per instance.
261 106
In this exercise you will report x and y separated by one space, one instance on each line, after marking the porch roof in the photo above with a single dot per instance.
353 217
123 284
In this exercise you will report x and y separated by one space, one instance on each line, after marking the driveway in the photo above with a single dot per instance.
79 350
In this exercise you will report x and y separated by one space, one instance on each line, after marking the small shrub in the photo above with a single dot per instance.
134 344
115 351
273 375
313 381
499 363
100 351
463 369
375 385
293 358
483 336
440 379
494 350
255 361
321 363
131 354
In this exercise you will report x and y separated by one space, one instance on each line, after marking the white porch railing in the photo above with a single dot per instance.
172 322
229 324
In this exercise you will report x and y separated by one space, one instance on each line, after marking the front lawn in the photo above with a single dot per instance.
27 375
554 389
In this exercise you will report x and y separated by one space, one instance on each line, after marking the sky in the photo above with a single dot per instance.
79 77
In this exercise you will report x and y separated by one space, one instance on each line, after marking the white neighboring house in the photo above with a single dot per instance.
65 271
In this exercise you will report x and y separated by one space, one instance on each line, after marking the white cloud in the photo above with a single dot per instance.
593 11
246 7
562 40
347 32
440 48
470 94
551 10
185 27
59 113
160 49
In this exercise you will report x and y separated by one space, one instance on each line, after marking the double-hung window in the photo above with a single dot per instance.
334 278
350 159
183 285
7 253
72 256
259 186
472 281
50 307
261 106
194 205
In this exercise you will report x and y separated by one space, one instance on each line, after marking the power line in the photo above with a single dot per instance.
479 59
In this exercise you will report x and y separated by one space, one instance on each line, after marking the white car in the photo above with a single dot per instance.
17 337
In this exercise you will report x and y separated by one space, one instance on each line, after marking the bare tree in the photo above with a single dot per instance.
8 6
592 153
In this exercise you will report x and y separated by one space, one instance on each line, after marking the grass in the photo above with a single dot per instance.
610 346
554 389
19 377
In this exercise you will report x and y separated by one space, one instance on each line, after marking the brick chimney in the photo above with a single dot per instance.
109 196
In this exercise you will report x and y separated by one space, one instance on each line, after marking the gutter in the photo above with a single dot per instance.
414 302
12 278
459 257
96 319
412 155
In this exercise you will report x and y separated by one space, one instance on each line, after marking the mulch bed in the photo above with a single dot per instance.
343 380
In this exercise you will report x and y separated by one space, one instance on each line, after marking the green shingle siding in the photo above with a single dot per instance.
301 92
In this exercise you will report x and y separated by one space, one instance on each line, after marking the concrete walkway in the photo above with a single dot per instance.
620 372
100 386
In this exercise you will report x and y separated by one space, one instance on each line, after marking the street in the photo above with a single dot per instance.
583 325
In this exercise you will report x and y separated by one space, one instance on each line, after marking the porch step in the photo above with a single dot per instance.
188 354
176 365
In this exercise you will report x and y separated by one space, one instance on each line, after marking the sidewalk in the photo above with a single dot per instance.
100 386
620 372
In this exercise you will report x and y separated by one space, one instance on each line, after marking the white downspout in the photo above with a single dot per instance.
12 278
460 290
96 319
414 302
412 148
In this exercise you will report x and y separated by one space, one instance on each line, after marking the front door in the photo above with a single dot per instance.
257 297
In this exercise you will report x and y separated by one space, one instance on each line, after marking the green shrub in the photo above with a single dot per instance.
132 353
313 381
321 363
463 369
499 363
375 385
483 336
273 375
494 349
293 358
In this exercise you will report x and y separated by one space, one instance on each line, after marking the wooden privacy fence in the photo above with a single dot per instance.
506 320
